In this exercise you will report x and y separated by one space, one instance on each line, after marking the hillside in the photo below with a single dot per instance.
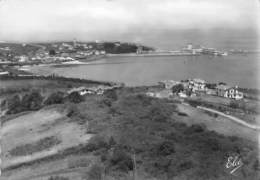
122 134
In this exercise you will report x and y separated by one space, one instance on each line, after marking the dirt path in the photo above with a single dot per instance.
235 119
56 173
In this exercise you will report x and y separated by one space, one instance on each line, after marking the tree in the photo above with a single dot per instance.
112 142
32 101
121 159
211 86
177 88
234 104
222 83
165 148
75 97
55 98
111 94
14 105
52 52
95 172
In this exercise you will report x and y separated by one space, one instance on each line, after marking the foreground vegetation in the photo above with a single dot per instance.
143 128
138 137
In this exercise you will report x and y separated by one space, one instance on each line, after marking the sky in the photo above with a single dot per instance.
52 20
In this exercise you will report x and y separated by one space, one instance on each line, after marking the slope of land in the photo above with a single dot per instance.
123 134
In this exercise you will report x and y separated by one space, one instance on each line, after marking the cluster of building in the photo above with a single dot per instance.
98 90
194 87
204 50
55 52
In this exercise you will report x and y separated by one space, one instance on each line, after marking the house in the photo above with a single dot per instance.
182 95
168 84
197 85
81 90
229 92
166 93
4 73
99 90
21 58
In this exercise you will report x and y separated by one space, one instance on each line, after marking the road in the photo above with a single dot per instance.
235 119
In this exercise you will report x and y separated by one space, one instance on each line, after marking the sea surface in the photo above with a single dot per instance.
241 70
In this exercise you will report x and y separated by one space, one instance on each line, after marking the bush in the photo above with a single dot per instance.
194 103
177 88
158 113
111 142
55 98
121 160
75 97
107 102
111 94
184 166
182 114
97 143
195 128
72 111
40 145
211 86
32 101
165 148
52 52
95 173
14 105
234 104
58 178
82 162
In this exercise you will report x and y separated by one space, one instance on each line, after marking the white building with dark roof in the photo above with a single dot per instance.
229 92
197 85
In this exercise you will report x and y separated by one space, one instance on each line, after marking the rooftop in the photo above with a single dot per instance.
222 87
199 80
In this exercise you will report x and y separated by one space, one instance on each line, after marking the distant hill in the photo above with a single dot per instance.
109 47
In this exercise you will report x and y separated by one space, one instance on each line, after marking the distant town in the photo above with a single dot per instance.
74 52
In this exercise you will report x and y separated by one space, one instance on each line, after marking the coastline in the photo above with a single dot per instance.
150 55
60 78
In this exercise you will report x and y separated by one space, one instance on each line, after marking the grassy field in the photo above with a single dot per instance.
246 109
122 133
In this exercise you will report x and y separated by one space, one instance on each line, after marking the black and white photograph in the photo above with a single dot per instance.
129 90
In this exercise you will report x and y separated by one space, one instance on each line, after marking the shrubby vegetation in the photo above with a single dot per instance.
144 127
75 97
177 88
141 130
55 98
58 178
28 102
36 147
115 48
57 79
34 101
211 86
95 173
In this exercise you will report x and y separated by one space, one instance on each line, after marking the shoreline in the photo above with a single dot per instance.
150 55
55 77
